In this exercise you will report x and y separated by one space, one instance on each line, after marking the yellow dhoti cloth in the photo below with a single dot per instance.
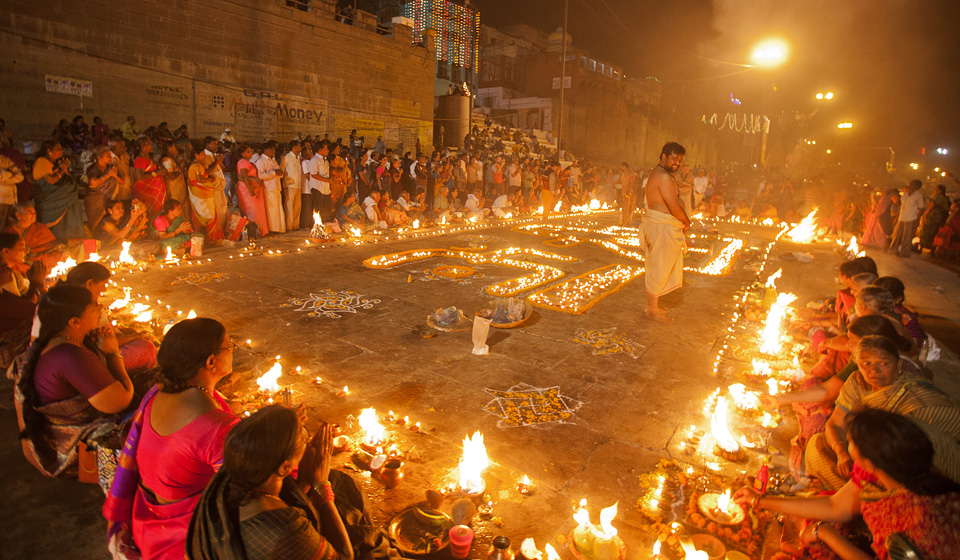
663 259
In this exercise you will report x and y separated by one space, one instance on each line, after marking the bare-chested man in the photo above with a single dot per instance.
664 225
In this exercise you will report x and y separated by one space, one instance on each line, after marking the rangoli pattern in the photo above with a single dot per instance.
330 304
609 341
525 405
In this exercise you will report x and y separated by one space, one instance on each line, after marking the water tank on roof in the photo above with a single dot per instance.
555 41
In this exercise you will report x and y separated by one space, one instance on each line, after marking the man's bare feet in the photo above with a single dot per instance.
658 315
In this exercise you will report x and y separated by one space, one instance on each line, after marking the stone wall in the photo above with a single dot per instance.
261 68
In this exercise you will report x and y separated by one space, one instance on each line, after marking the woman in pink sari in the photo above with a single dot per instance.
175 444
149 187
250 190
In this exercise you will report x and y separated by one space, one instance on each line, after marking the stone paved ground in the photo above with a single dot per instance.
631 405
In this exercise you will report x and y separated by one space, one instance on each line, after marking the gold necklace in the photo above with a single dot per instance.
205 391
68 338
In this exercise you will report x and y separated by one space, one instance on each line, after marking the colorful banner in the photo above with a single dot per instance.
69 86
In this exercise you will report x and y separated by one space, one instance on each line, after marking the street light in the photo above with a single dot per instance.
824 96
770 53
942 151
915 166
844 125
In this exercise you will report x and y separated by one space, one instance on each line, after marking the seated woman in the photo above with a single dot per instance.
175 444
897 456
947 240
909 317
874 300
18 296
254 505
57 193
138 354
170 227
41 244
116 227
392 213
814 402
64 394
881 381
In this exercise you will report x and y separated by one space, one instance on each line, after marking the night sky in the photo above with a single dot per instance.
893 65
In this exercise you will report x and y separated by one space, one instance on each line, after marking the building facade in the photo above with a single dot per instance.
263 68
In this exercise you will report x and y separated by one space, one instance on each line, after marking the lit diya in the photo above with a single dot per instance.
720 508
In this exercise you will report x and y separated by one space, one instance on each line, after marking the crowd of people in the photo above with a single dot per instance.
191 478
876 436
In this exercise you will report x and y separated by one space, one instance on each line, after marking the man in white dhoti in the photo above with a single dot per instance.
664 225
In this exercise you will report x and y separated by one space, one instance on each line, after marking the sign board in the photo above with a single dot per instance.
256 114
369 129
403 108
567 82
69 86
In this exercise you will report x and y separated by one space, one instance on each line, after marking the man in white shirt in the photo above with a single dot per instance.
311 171
292 184
700 183
412 205
317 185
503 204
227 138
372 211
474 207
514 175
911 206
270 174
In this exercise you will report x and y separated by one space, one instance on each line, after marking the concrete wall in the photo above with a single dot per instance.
261 68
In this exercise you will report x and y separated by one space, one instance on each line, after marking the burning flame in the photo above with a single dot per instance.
556 207
125 257
772 280
525 481
356 232
854 249
768 421
606 518
443 220
62 268
416 224
472 464
805 231
93 257
508 215
373 432
268 381
772 387
138 308
594 204
192 314
770 339
746 400
528 549
724 502
144 317
170 257
551 552
473 219
582 516
719 427
122 302
656 549
316 219
762 368
539 210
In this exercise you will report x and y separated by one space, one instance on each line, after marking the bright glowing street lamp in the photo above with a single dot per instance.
942 151
770 53
824 96
845 125
915 166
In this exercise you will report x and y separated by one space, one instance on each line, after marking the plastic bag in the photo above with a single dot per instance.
481 327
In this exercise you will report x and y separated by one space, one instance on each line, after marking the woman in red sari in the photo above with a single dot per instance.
175 444
202 188
250 190
149 185
894 454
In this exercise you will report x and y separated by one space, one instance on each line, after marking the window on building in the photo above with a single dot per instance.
442 71
302 5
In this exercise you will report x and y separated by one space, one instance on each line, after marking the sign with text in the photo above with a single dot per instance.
257 115
369 129
567 82
69 86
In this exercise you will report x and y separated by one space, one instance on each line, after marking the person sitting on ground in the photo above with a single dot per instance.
41 244
814 401
392 212
371 207
504 204
874 300
116 227
474 206
898 457
170 227
743 210
175 443
881 381
18 296
254 505
350 214
843 306
909 317
138 354
64 394
412 205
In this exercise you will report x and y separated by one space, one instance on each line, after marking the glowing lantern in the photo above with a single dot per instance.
472 464
268 381
373 433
